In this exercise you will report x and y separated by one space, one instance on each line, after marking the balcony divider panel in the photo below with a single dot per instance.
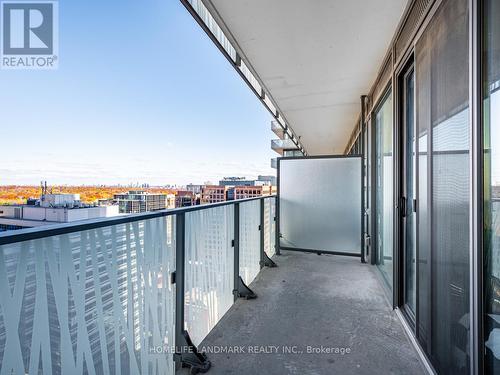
319 204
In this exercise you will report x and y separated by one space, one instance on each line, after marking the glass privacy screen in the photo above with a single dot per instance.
320 204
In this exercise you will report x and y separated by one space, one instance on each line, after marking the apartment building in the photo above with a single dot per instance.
137 201
185 198
236 181
213 194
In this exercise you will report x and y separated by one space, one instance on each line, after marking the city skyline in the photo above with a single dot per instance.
88 126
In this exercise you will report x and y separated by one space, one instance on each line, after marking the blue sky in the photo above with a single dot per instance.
141 95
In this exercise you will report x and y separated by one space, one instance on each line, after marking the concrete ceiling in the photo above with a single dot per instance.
314 57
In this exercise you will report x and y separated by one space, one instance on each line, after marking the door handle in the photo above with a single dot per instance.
403 206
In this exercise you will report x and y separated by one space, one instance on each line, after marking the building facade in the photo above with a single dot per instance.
195 189
185 198
243 192
236 181
51 209
213 194
136 201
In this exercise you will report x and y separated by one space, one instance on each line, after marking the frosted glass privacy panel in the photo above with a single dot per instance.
320 204
209 269
97 301
249 240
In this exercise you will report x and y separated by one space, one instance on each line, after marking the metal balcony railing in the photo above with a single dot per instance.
128 295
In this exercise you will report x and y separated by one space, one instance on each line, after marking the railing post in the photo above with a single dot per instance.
180 254
236 244
262 227
241 290
277 226
186 353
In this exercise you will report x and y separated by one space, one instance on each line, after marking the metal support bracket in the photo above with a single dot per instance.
190 357
244 291
267 262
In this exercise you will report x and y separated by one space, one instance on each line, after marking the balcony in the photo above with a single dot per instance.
314 315
278 129
410 284
135 294
282 145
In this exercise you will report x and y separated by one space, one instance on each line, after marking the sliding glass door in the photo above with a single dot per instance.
491 205
443 130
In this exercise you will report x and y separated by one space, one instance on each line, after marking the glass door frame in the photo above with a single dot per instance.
405 182
400 123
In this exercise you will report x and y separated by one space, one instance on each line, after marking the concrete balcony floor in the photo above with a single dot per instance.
318 301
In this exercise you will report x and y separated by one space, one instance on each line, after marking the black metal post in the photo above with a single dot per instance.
262 236
373 191
364 175
180 232
277 223
236 244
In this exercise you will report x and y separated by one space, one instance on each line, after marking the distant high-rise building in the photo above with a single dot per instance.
213 194
137 201
244 192
196 189
236 181
185 198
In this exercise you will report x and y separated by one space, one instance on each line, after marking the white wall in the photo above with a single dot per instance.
8 211
34 213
